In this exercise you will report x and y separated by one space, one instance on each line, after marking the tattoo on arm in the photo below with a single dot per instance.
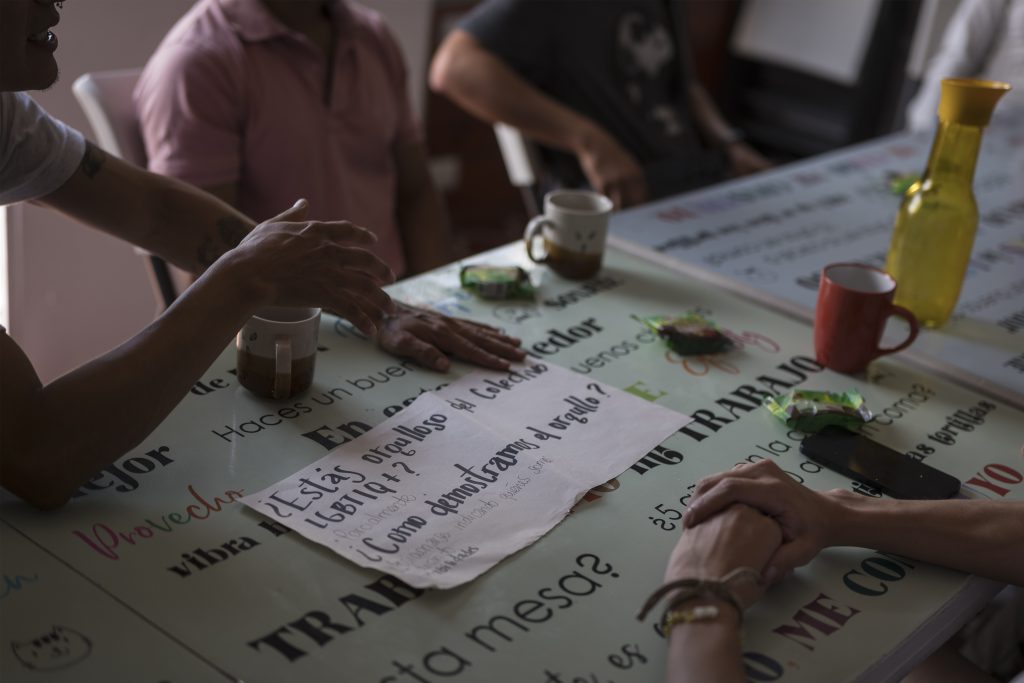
93 160
231 231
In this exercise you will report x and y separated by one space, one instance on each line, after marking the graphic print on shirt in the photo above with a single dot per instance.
646 57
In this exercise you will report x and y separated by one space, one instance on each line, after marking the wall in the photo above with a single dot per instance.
74 292
410 21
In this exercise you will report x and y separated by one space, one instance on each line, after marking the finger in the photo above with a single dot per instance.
361 308
363 261
503 338
344 231
359 286
497 346
707 483
294 214
788 557
761 468
615 194
490 329
408 346
462 348
349 311
758 494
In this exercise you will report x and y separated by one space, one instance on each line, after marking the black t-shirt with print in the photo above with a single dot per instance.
615 62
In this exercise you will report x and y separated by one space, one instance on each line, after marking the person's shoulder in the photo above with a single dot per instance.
203 36
19 110
202 48
370 25
372 32
500 23
9 102
12 102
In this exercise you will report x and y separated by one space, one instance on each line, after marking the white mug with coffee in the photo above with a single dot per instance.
573 228
277 351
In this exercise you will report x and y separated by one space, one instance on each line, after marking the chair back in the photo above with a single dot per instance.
106 99
522 165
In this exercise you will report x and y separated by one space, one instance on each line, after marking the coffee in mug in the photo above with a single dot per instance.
277 351
573 230
854 303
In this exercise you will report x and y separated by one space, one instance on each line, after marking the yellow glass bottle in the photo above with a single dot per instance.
934 231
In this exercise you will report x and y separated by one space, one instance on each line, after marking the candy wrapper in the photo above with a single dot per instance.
899 184
689 333
497 282
812 411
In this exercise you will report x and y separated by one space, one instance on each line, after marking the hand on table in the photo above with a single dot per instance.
738 536
294 262
805 517
612 171
744 159
426 336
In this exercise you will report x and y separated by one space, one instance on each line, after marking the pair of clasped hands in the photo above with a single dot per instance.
757 516
328 264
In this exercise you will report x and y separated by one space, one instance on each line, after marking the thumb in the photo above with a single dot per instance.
295 213
787 557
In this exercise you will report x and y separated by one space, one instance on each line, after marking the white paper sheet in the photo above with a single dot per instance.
462 478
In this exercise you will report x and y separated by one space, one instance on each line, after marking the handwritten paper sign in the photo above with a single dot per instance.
462 478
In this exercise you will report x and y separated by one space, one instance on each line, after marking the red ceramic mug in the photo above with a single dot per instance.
854 302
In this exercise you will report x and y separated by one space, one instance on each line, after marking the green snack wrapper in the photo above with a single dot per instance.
899 184
689 333
497 282
812 411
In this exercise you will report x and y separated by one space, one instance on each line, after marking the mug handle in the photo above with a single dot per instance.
282 367
914 328
533 230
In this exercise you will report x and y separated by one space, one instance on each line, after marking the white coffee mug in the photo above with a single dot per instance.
573 228
277 351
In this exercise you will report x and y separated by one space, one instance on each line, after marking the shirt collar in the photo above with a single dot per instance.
254 22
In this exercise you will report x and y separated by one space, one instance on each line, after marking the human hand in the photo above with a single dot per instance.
738 536
426 336
807 518
289 261
744 159
611 170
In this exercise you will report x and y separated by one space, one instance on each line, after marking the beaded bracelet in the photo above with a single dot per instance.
671 617
690 588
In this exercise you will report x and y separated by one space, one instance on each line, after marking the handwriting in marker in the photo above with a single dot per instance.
15 583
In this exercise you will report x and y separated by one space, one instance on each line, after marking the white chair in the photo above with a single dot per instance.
106 99
522 163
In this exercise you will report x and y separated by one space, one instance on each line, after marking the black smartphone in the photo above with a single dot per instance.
894 473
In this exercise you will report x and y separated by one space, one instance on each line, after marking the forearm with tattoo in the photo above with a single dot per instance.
230 231
92 160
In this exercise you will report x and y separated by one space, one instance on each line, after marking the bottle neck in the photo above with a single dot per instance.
954 153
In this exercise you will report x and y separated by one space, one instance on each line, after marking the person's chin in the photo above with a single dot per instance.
37 74
43 76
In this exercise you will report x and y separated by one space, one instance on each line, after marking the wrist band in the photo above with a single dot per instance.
690 588
686 616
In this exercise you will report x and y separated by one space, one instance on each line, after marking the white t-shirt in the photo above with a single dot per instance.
984 39
38 153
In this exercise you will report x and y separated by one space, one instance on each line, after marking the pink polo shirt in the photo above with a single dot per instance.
234 96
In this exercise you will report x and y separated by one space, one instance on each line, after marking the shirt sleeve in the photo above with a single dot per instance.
38 153
190 103
965 47
519 32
